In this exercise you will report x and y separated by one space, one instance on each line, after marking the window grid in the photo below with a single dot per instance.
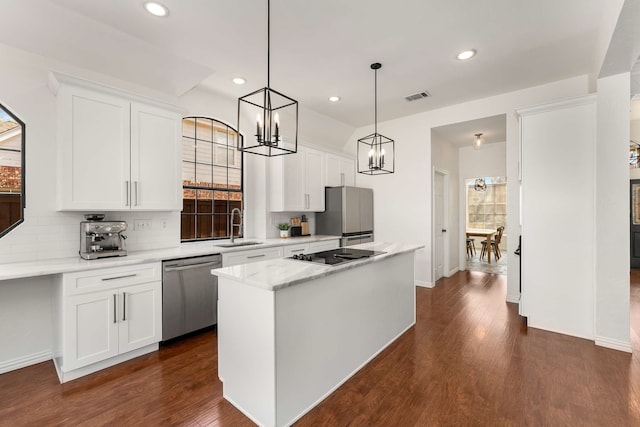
211 179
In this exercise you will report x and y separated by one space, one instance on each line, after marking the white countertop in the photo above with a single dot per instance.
67 265
280 273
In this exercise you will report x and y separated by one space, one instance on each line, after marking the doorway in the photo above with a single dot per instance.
486 209
464 150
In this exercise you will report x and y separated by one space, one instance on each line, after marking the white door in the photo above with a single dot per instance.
140 321
439 225
155 158
90 329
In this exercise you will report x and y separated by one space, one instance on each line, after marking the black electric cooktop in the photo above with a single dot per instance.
336 256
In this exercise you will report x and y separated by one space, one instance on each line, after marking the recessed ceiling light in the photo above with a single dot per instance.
466 54
239 80
334 98
156 9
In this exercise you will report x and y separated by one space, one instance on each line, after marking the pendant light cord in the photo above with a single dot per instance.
375 91
268 43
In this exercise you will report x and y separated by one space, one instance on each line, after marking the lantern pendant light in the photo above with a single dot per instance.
376 152
275 130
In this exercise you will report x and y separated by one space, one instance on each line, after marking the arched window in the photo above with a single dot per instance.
211 179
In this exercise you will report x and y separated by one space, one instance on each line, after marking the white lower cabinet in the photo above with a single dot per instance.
253 255
291 250
324 245
117 318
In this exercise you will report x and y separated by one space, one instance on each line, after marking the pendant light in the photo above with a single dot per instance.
376 152
275 130
480 185
477 144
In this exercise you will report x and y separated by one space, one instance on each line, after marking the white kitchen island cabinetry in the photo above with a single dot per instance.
116 151
340 171
297 181
106 316
290 332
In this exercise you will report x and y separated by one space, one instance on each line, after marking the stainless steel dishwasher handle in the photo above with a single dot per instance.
175 267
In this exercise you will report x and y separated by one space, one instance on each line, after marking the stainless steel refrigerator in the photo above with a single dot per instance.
348 213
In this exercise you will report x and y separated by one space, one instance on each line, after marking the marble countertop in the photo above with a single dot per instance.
276 274
20 270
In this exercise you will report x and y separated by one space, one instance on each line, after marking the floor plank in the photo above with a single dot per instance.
469 360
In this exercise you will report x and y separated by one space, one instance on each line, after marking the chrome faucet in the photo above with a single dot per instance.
233 224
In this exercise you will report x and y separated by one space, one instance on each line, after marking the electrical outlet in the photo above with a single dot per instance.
142 225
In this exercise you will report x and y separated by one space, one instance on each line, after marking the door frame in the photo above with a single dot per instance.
446 241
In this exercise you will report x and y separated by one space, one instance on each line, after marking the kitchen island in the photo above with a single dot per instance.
290 331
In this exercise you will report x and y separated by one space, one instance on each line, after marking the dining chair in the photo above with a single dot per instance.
495 244
471 247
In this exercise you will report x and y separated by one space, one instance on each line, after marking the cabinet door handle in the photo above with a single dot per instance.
342 178
124 306
118 277
135 183
297 250
115 303
127 186
256 256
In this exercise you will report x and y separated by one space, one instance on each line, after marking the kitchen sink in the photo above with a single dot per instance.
236 244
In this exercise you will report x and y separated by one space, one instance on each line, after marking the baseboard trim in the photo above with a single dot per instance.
24 361
613 344
90 369
454 271
514 298
424 284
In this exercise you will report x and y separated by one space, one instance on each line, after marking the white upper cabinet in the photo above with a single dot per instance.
340 171
115 152
155 158
297 181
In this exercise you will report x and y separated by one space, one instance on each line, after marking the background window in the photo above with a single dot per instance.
211 179
488 209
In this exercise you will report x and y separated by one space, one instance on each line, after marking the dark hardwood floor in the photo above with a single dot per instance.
469 361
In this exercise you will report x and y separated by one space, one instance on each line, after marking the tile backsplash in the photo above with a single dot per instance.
50 235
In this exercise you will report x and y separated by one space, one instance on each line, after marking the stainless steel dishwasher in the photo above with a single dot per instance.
189 295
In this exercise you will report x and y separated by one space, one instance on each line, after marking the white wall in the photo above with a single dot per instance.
490 160
445 158
405 196
612 212
558 216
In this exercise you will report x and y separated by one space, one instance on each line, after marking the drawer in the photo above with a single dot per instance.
323 246
301 248
110 278
246 257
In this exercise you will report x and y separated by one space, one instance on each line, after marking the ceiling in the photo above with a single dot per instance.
493 129
319 48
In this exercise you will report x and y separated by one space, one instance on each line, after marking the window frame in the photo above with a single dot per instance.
214 164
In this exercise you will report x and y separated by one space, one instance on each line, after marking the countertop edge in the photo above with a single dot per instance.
23 270
325 270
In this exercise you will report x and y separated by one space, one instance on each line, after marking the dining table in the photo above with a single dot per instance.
487 234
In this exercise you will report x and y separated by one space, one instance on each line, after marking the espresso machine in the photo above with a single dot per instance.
100 239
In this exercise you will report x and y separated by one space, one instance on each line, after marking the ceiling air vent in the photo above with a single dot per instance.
417 96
